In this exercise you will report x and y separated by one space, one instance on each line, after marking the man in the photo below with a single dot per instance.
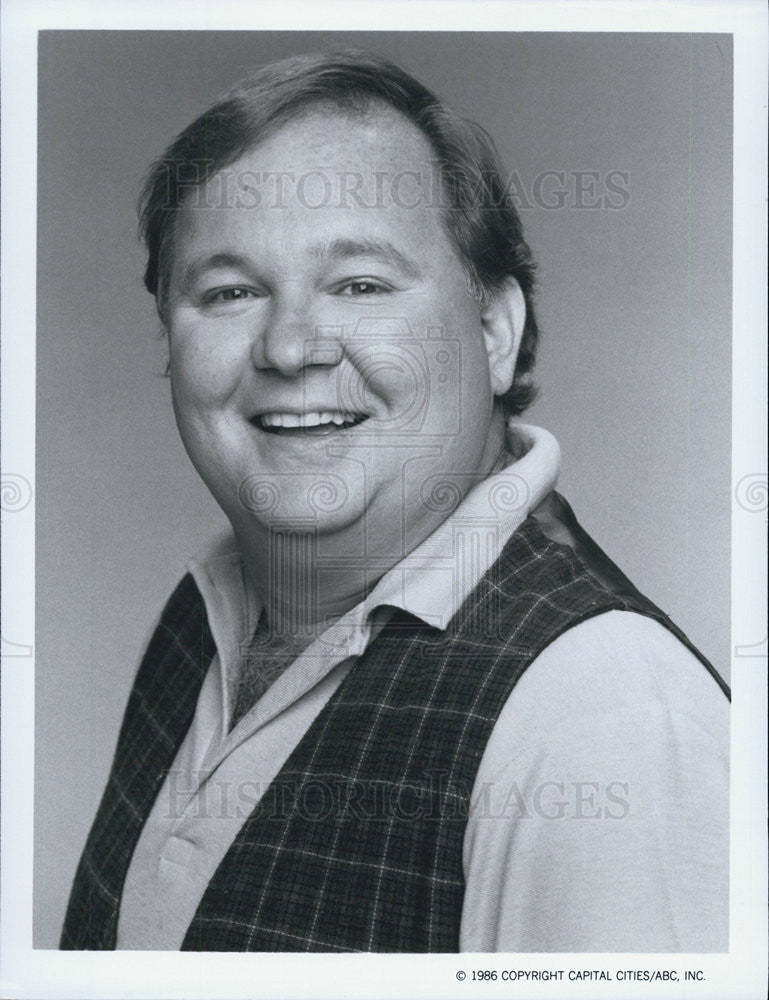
408 705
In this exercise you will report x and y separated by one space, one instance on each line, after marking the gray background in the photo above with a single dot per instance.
634 365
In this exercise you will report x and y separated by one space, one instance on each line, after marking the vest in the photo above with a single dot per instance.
357 844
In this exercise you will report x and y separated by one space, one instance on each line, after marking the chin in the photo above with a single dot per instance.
302 504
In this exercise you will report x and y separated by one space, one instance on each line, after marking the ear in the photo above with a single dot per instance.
502 321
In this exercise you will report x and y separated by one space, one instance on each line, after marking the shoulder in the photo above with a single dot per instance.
619 689
617 665
599 814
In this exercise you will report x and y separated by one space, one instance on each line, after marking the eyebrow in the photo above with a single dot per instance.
340 249
225 259
343 249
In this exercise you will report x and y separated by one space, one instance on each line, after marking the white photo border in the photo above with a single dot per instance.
25 972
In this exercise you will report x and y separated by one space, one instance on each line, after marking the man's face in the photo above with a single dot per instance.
328 364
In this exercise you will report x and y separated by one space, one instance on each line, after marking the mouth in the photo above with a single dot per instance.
311 423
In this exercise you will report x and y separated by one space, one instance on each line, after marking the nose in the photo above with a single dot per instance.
283 342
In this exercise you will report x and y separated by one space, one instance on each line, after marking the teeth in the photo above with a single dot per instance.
312 419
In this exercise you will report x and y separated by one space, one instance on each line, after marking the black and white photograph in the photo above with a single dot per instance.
393 486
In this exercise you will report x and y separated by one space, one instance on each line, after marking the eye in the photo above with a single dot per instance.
234 294
360 287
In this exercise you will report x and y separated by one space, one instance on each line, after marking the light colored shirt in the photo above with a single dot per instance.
599 814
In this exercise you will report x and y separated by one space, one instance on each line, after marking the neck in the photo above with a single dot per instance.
297 572
301 594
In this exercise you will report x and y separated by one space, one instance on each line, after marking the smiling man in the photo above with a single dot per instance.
407 704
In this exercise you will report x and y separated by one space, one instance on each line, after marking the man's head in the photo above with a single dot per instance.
340 348
480 216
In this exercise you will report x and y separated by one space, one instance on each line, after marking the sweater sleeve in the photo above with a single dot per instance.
599 817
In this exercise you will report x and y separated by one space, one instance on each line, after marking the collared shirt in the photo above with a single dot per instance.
555 787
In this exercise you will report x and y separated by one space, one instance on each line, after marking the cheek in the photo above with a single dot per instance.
396 374
204 371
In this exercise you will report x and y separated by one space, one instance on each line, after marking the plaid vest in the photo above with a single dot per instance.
357 844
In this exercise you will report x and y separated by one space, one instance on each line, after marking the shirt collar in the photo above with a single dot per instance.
433 580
